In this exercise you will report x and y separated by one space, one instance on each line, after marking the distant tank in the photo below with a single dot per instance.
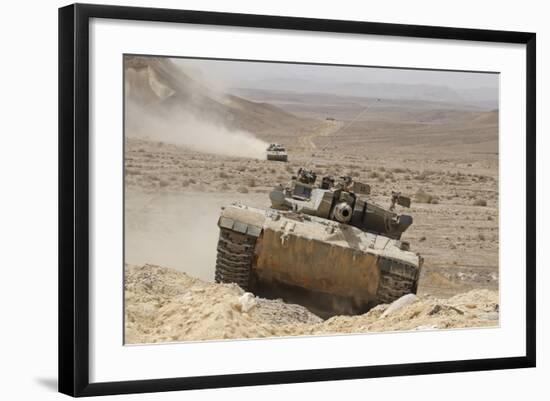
323 245
277 152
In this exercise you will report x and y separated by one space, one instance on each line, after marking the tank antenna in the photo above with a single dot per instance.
352 121
345 127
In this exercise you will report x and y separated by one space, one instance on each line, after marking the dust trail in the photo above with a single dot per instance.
182 128
168 104
177 230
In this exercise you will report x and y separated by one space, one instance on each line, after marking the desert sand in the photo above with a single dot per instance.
190 149
165 305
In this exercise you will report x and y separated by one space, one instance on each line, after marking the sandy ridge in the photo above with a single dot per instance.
164 305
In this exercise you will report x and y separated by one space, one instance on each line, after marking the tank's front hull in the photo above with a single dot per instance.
328 267
277 156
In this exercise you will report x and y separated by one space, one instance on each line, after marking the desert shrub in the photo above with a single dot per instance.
398 170
481 237
460 177
434 201
480 202
223 174
163 183
224 186
374 174
354 173
421 177
242 190
422 196
425 175
192 181
251 182
482 178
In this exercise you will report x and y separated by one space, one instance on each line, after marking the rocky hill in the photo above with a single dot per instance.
159 87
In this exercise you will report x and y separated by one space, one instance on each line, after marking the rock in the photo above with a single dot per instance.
427 327
489 316
459 311
247 301
435 309
399 304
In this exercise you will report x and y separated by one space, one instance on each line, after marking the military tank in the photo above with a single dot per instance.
277 152
323 244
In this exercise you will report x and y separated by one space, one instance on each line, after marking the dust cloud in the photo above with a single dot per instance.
168 103
177 230
179 127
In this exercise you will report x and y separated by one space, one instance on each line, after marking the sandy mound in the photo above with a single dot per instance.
165 305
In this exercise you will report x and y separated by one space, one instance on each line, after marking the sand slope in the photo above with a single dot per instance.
164 305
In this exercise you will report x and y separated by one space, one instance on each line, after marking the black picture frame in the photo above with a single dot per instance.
74 198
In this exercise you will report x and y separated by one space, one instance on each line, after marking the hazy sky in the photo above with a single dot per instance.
247 74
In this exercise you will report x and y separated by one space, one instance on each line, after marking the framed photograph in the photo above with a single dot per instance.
252 199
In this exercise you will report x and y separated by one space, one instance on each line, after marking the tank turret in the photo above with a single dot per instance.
343 200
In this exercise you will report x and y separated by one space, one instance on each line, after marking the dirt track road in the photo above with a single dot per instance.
326 128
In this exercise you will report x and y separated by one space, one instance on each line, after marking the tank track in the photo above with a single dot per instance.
234 258
396 279
393 287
